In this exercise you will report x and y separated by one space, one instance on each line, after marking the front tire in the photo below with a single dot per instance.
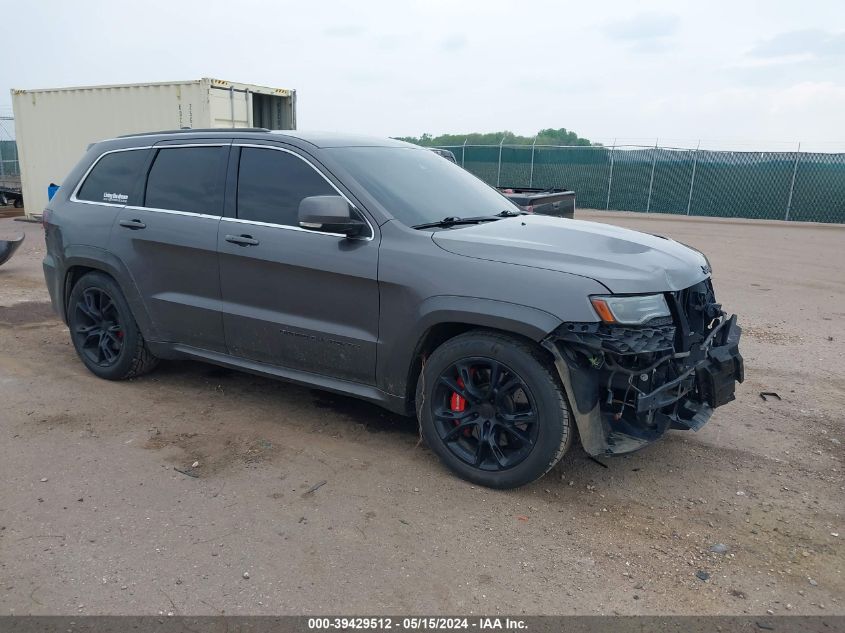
104 332
491 407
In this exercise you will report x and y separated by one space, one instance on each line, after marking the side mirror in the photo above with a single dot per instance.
330 214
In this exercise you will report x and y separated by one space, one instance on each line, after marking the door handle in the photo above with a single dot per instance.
242 240
133 224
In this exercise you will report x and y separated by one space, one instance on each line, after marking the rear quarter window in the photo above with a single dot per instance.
114 178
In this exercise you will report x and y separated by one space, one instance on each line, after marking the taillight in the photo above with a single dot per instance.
45 218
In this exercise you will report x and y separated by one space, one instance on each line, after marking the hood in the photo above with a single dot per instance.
623 260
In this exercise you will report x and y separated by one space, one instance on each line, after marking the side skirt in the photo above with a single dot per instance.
369 393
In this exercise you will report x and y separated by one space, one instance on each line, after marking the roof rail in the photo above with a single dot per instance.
203 130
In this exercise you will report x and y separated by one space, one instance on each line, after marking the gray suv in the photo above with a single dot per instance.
376 269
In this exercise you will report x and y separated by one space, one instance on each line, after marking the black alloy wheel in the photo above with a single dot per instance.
485 414
103 329
491 406
97 328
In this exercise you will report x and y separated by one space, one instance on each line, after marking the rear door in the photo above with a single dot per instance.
169 242
292 297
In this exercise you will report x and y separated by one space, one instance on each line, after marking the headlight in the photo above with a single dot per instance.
634 310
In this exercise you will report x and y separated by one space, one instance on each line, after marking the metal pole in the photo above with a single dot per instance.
610 176
531 176
692 179
463 152
2 164
232 103
651 182
792 184
499 173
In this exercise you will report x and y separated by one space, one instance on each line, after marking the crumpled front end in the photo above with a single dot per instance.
629 384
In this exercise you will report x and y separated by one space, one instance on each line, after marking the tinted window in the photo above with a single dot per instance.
114 178
187 179
417 186
271 185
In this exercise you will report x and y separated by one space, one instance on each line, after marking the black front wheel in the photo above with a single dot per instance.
492 409
103 330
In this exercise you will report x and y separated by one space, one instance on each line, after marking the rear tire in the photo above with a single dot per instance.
492 408
104 332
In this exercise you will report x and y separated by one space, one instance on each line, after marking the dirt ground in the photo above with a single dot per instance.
331 505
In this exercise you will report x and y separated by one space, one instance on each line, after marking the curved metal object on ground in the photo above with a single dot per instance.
8 248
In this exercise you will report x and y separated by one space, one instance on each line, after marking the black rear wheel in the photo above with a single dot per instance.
98 327
103 330
492 409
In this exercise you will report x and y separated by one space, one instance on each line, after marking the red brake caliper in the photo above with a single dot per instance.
458 403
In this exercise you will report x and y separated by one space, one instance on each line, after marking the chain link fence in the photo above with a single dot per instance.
9 159
799 186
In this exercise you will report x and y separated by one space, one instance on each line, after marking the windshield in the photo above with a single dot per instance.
417 186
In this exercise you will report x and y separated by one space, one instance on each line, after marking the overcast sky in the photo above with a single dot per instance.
761 74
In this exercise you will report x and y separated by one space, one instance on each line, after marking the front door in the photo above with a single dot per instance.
169 244
292 297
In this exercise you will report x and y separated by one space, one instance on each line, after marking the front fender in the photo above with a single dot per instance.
396 357
502 315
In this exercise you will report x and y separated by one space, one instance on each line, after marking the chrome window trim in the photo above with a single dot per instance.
369 238
172 212
74 198
293 228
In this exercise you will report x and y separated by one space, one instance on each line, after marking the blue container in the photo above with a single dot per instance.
51 191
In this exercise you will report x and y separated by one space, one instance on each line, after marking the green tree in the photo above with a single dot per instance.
549 136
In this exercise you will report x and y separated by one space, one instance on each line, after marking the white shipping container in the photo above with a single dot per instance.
54 126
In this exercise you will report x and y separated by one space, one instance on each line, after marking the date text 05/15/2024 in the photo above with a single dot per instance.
417 623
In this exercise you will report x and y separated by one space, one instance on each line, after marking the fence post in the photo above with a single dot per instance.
531 175
651 182
792 184
610 176
2 164
692 178
499 171
463 152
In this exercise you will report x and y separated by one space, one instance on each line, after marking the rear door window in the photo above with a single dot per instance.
114 178
187 179
272 183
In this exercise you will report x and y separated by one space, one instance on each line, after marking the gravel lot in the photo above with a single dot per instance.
95 520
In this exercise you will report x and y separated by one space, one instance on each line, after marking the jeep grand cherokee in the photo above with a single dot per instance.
377 269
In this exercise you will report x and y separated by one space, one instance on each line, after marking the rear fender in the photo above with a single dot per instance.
104 261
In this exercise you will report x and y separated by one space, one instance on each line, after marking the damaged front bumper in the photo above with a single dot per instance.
627 385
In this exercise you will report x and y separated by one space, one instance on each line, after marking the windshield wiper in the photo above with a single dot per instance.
454 221
510 213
